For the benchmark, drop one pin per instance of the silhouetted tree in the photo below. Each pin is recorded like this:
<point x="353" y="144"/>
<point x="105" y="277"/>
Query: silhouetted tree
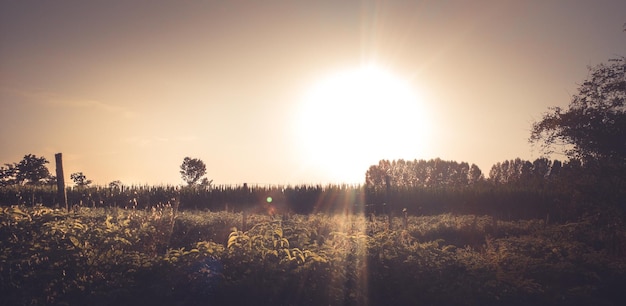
<point x="80" y="179"/>
<point x="474" y="175"/>
<point x="555" y="169"/>
<point x="375" y="175"/>
<point x="206" y="183"/>
<point x="593" y="129"/>
<point x="117" y="184"/>
<point x="594" y="125"/>
<point x="192" y="170"/>
<point x="30" y="170"/>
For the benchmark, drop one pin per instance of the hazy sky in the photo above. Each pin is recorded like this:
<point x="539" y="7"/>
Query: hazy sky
<point x="127" y="89"/>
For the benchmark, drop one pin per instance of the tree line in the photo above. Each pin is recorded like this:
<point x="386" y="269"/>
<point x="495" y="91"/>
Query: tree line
<point x="515" y="189"/>
<point x="432" y="173"/>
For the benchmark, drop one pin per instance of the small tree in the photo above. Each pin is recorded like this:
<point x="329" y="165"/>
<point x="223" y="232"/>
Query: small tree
<point x="80" y="179"/>
<point x="206" y="183"/>
<point x="117" y="184"/>
<point x="192" y="170"/>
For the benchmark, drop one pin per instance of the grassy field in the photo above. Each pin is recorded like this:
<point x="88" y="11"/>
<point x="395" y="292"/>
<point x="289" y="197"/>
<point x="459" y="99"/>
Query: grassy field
<point x="158" y="256"/>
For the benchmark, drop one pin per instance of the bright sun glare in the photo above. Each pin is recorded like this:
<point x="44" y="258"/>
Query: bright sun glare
<point x="352" y="119"/>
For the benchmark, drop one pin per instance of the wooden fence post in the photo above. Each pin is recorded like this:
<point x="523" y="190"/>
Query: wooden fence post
<point x="388" y="199"/>
<point x="244" y="210"/>
<point x="405" y="219"/>
<point x="61" y="192"/>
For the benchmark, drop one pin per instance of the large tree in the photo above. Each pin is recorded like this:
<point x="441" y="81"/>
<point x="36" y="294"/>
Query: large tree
<point x="192" y="170"/>
<point x="593" y="127"/>
<point x="593" y="131"/>
<point x="30" y="170"/>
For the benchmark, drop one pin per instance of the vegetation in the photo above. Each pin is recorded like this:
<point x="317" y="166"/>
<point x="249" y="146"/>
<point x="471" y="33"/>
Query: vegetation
<point x="594" y="125"/>
<point x="592" y="131"/>
<point x="192" y="170"/>
<point x="157" y="256"/>
<point x="80" y="179"/>
<point x="505" y="201"/>
<point x="31" y="170"/>
<point x="430" y="232"/>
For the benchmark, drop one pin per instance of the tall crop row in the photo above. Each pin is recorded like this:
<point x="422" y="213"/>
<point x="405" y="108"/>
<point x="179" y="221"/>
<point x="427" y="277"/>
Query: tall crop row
<point x="505" y="202"/>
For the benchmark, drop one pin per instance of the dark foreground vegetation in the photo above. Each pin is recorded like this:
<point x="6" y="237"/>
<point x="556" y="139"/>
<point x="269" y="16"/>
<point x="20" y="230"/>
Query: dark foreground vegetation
<point x="161" y="256"/>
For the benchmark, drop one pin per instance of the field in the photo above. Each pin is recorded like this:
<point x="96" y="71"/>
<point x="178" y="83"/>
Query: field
<point x="162" y="256"/>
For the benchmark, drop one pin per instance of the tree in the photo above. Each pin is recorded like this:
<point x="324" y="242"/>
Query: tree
<point x="117" y="184"/>
<point x="422" y="173"/>
<point x="7" y="175"/>
<point x="594" y="125"/>
<point x="474" y="175"/>
<point x="206" y="183"/>
<point x="80" y="179"/>
<point x="593" y="128"/>
<point x="30" y="170"/>
<point x="376" y="174"/>
<point x="192" y="170"/>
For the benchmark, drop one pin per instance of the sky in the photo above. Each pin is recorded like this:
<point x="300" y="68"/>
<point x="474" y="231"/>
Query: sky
<point x="288" y="92"/>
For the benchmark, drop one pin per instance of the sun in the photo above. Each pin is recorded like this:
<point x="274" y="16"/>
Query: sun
<point x="351" y="119"/>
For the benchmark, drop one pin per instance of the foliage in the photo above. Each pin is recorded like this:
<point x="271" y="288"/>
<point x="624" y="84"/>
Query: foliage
<point x="593" y="131"/>
<point x="109" y="256"/>
<point x="192" y="170"/>
<point x="30" y="170"/>
<point x="515" y="189"/>
<point x="80" y="179"/>
<point x="433" y="173"/>
<point x="508" y="200"/>
<point x="117" y="184"/>
<point x="595" y="122"/>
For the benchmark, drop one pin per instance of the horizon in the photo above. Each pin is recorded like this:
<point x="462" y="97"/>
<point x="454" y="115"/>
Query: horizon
<point x="288" y="93"/>
<point x="51" y="166"/>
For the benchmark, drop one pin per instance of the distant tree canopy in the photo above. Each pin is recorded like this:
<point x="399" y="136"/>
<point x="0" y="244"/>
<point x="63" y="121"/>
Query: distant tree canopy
<point x="192" y="170"/>
<point x="519" y="172"/>
<point x="437" y="173"/>
<point x="594" y="125"/>
<point x="423" y="173"/>
<point x="31" y="170"/>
